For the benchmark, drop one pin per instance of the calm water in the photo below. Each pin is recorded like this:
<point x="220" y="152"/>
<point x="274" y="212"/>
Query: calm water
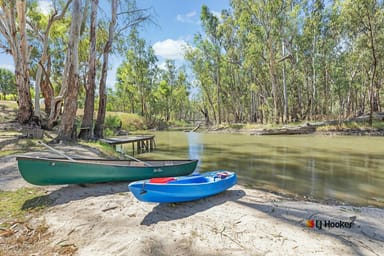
<point x="348" y="169"/>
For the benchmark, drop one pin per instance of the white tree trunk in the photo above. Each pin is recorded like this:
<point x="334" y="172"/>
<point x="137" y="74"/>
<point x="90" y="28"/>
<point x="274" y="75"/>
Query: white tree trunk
<point x="67" y="130"/>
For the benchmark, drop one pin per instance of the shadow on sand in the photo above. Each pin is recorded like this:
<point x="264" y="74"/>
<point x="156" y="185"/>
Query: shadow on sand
<point x="169" y="212"/>
<point x="70" y="193"/>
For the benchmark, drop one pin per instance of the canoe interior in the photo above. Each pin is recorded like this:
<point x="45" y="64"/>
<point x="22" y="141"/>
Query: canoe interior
<point x="113" y="162"/>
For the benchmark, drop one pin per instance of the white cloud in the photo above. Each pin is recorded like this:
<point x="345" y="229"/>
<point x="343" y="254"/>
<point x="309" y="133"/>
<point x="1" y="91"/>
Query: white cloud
<point x="187" y="18"/>
<point x="10" y="67"/>
<point x="170" y="49"/>
<point x="162" y="66"/>
<point x="45" y="6"/>
<point x="217" y="15"/>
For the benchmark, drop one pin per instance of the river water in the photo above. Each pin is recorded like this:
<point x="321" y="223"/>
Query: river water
<point x="347" y="169"/>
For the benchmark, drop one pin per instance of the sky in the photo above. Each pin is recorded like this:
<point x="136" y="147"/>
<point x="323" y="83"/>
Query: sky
<point x="176" y="23"/>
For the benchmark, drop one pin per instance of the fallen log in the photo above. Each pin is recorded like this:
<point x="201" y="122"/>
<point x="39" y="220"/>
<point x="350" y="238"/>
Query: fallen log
<point x="288" y="130"/>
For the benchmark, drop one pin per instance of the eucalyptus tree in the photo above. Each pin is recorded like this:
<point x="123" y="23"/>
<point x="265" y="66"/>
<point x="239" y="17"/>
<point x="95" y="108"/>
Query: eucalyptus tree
<point x="137" y="73"/>
<point x="180" y="96"/>
<point x="173" y="88"/>
<point x="14" y="40"/>
<point x="67" y="129"/>
<point x="87" y="122"/>
<point x="126" y="91"/>
<point x="167" y="87"/>
<point x="125" y="15"/>
<point x="235" y="87"/>
<point x="203" y="68"/>
<point x="259" y="24"/>
<point x="161" y="105"/>
<point x="210" y="24"/>
<point x="101" y="112"/>
<point x="42" y="26"/>
<point x="366" y="20"/>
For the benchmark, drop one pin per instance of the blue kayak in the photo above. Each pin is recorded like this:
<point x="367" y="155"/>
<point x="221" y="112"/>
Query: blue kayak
<point x="183" y="188"/>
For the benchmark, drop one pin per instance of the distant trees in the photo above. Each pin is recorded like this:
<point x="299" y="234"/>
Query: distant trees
<point x="279" y="61"/>
<point x="7" y="82"/>
<point x="258" y="61"/>
<point x="157" y="94"/>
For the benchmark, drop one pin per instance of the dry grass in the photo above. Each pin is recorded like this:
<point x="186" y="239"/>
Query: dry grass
<point x="8" y="111"/>
<point x="22" y="232"/>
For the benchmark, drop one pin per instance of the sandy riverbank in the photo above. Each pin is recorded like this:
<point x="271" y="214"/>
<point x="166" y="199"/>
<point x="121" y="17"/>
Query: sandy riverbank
<point x="105" y="219"/>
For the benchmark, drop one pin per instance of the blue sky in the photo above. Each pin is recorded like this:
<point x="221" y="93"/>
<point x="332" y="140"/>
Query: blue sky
<point x="176" y="23"/>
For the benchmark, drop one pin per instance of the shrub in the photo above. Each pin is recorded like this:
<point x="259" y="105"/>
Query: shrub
<point x="125" y="121"/>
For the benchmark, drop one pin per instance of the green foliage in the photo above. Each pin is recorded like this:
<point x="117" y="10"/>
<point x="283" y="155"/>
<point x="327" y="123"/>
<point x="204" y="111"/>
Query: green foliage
<point x="124" y="121"/>
<point x="7" y="82"/>
<point x="135" y="76"/>
<point x="112" y="122"/>
<point x="328" y="54"/>
<point x="132" y="122"/>
<point x="144" y="89"/>
<point x="104" y="148"/>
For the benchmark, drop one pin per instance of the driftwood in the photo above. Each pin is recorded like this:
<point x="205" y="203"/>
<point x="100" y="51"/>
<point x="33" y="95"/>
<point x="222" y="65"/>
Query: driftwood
<point x="196" y="128"/>
<point x="287" y="130"/>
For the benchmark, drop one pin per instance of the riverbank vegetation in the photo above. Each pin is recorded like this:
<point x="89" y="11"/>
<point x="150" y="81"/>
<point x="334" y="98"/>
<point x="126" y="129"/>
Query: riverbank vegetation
<point x="269" y="63"/>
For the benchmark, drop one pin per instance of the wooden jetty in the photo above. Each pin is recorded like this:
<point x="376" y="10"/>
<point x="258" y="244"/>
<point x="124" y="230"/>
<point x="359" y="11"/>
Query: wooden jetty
<point x="144" y="143"/>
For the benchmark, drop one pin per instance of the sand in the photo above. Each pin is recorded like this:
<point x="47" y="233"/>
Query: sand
<point x="106" y="219"/>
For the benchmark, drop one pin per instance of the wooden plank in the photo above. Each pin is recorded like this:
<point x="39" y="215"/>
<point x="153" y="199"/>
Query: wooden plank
<point x="114" y="141"/>
<point x="144" y="143"/>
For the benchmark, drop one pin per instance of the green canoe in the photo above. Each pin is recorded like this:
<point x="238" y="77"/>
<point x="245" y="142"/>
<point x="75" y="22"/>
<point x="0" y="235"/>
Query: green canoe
<point x="57" y="171"/>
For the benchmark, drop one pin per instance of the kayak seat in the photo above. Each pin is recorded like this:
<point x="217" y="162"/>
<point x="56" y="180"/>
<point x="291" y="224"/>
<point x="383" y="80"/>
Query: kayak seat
<point x="190" y="180"/>
<point x="161" y="180"/>
<point x="221" y="175"/>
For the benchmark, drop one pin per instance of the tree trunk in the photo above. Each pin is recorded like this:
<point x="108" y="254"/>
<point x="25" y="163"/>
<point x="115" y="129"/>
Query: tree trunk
<point x="86" y="131"/>
<point x="67" y="131"/>
<point x="99" y="125"/>
<point x="44" y="84"/>
<point x="22" y="69"/>
<point x="272" y="74"/>
<point x="218" y="88"/>
<point x="374" y="67"/>
<point x="13" y="30"/>
<point x="313" y="95"/>
<point x="285" y="115"/>
<point x="47" y="89"/>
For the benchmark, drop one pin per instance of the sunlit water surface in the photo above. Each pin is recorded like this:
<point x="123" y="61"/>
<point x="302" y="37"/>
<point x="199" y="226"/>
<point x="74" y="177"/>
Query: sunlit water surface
<point x="332" y="168"/>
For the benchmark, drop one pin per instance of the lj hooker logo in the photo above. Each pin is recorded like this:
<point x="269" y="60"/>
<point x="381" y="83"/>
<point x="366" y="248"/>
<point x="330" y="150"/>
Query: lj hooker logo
<point x="319" y="224"/>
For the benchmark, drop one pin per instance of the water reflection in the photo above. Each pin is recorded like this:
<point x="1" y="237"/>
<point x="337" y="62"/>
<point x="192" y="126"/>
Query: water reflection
<point x="195" y="147"/>
<point x="345" y="169"/>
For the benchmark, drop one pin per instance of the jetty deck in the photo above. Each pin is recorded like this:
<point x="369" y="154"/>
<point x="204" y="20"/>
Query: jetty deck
<point x="144" y="143"/>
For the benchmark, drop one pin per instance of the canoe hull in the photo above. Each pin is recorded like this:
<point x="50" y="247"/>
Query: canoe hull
<point x="50" y="171"/>
<point x="187" y="188"/>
